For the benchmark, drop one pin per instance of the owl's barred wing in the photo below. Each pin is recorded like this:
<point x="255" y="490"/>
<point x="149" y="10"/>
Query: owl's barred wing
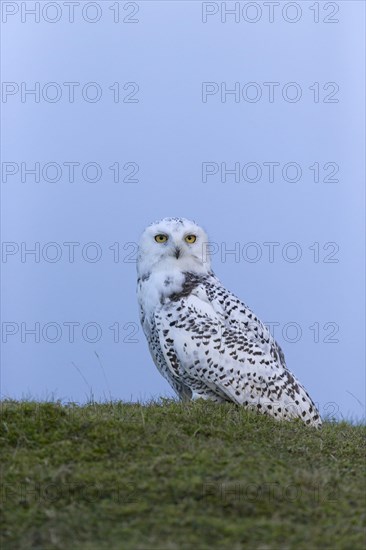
<point x="238" y="314"/>
<point x="200" y="347"/>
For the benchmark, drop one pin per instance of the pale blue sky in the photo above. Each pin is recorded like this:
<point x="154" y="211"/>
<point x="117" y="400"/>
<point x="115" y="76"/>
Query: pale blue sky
<point x="160" y="137"/>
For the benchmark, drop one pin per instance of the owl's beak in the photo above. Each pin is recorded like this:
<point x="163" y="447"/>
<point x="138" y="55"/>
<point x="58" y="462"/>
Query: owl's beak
<point x="177" y="252"/>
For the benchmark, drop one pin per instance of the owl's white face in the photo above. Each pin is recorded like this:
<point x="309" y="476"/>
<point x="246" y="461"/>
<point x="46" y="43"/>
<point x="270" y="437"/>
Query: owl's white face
<point x="173" y="244"/>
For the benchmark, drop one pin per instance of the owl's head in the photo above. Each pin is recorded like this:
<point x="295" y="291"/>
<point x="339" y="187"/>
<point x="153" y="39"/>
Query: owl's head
<point x="173" y="244"/>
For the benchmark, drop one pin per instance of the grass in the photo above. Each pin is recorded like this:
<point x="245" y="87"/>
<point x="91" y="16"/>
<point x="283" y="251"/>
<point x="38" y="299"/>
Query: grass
<point x="176" y="476"/>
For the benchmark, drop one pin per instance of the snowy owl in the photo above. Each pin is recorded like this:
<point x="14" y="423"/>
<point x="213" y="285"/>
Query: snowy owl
<point x="203" y="339"/>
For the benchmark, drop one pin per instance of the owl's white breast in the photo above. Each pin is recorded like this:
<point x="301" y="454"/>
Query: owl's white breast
<point x="165" y="278"/>
<point x="153" y="288"/>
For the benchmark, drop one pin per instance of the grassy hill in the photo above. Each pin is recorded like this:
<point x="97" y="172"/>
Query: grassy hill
<point x="174" y="476"/>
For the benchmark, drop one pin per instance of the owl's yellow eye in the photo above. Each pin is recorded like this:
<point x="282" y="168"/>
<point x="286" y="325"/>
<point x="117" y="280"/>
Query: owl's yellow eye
<point x="190" y="239"/>
<point x="160" y="238"/>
